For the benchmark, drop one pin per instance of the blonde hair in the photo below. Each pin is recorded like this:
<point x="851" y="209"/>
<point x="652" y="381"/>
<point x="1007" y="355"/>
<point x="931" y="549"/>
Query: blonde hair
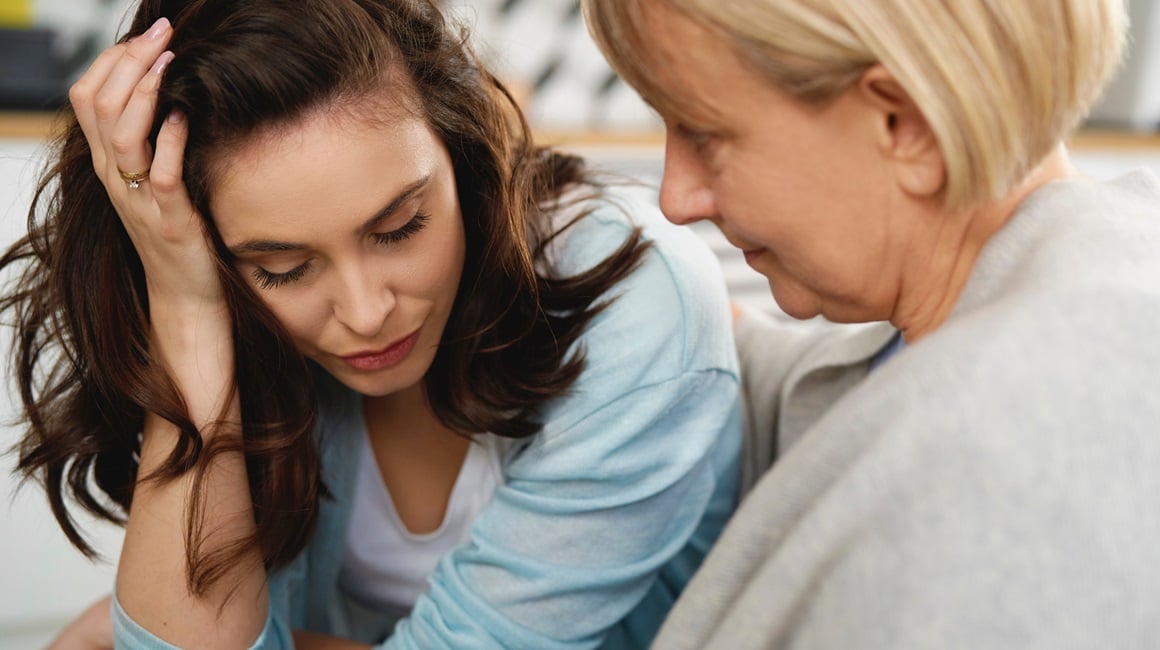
<point x="1001" y="82"/>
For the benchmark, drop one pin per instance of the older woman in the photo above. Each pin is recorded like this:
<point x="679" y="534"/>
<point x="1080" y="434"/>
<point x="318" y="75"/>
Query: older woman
<point x="993" y="484"/>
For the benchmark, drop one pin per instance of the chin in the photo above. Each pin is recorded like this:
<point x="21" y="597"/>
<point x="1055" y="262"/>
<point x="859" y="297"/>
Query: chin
<point x="379" y="387"/>
<point x="798" y="314"/>
<point x="796" y="304"/>
<point x="378" y="383"/>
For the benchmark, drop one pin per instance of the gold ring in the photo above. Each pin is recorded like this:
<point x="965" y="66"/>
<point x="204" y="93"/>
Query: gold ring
<point x="133" y="178"/>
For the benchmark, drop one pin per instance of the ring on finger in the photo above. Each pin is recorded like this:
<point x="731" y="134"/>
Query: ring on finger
<point x="134" y="178"/>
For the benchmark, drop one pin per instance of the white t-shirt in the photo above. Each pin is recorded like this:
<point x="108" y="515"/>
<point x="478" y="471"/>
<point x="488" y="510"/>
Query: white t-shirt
<point x="385" y="567"/>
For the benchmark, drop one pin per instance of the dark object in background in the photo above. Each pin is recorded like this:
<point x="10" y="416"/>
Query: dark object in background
<point x="33" y="76"/>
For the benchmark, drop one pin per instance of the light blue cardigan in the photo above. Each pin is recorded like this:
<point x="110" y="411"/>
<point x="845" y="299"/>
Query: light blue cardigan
<point x="603" y="516"/>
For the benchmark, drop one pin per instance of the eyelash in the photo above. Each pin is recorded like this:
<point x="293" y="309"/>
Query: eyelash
<point x="409" y="229"/>
<point x="268" y="280"/>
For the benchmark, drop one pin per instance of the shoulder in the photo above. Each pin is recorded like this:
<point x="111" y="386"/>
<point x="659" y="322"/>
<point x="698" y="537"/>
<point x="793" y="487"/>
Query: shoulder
<point x="1003" y="471"/>
<point x="1058" y="318"/>
<point x="672" y="313"/>
<point x="1073" y="236"/>
<point x="680" y="261"/>
<point x="1033" y="371"/>
<point x="1032" y="417"/>
<point x="666" y="334"/>
<point x="1071" y="284"/>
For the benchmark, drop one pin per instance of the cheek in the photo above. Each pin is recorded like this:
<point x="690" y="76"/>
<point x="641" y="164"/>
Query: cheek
<point x="753" y="209"/>
<point x="442" y="264"/>
<point x="303" y="317"/>
<point x="425" y="275"/>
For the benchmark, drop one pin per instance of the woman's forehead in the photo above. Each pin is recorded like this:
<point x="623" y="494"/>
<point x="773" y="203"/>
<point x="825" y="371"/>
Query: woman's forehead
<point x="380" y="113"/>
<point x="322" y="161"/>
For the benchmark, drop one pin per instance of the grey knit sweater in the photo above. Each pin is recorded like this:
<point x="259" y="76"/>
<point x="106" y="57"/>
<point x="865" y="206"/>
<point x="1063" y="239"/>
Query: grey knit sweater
<point x="996" y="485"/>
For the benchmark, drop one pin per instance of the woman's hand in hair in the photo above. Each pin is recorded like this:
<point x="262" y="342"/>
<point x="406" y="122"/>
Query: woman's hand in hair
<point x="208" y="510"/>
<point x="115" y="102"/>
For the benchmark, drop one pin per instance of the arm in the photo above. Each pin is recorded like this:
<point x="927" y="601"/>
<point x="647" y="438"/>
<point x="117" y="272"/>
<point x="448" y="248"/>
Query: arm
<point x="191" y="335"/>
<point x="636" y="466"/>
<point x="590" y="514"/>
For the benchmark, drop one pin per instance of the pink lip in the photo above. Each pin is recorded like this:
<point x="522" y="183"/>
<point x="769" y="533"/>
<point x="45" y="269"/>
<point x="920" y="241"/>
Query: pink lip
<point x="751" y="255"/>
<point x="389" y="356"/>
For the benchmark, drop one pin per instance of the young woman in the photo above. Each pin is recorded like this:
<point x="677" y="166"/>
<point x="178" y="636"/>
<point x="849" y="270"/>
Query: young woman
<point x="989" y="479"/>
<point x="357" y="360"/>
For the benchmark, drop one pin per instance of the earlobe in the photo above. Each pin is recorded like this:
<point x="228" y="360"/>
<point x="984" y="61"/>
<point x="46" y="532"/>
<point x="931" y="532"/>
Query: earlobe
<point x="907" y="143"/>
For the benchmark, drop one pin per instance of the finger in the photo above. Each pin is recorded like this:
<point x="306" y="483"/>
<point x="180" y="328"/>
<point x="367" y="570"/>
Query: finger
<point x="166" y="175"/>
<point x="130" y="136"/>
<point x="137" y="58"/>
<point x="83" y="93"/>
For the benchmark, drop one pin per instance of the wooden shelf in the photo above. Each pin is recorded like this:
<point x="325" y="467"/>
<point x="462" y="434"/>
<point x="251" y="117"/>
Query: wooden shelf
<point x="27" y="125"/>
<point x="1108" y="139"/>
<point x="1084" y="140"/>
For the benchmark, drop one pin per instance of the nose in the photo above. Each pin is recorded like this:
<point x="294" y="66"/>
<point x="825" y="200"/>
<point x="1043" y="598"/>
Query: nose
<point x="362" y="300"/>
<point x="686" y="196"/>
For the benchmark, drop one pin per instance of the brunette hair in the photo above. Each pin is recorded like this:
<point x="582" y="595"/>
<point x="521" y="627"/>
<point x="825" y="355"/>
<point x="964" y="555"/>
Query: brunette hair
<point x="82" y="359"/>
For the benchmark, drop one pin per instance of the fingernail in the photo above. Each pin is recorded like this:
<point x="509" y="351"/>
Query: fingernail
<point x="158" y="28"/>
<point x="174" y="116"/>
<point x="162" y="62"/>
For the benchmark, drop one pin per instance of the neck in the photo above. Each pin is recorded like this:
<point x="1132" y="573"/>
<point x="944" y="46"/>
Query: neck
<point x="932" y="288"/>
<point x="407" y="412"/>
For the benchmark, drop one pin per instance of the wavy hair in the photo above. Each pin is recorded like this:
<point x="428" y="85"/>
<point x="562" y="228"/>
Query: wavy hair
<point x="82" y="359"/>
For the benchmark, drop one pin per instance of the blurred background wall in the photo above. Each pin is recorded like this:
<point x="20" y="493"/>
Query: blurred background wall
<point x="542" y="49"/>
<point x="539" y="46"/>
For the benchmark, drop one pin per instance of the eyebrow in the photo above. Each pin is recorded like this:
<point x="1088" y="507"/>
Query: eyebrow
<point x="270" y="246"/>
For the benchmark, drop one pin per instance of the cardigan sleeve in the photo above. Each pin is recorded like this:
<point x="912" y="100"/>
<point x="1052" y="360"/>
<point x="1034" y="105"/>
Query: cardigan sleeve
<point x="574" y="539"/>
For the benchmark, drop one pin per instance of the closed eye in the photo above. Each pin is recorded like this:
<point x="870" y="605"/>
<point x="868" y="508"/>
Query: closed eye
<point x="409" y="229"/>
<point x="268" y="280"/>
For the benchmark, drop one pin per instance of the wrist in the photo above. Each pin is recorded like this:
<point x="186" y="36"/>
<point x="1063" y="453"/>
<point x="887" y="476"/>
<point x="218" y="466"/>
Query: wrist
<point x="195" y="345"/>
<point x="180" y="329"/>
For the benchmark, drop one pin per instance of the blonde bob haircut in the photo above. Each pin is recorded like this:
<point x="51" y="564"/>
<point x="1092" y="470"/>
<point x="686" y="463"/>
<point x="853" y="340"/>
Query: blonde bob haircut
<point x="1000" y="82"/>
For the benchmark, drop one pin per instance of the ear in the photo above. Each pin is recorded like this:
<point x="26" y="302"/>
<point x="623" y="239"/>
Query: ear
<point x="906" y="141"/>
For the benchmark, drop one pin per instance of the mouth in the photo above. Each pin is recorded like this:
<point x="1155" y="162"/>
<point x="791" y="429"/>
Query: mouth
<point x="389" y="356"/>
<point x="747" y="249"/>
